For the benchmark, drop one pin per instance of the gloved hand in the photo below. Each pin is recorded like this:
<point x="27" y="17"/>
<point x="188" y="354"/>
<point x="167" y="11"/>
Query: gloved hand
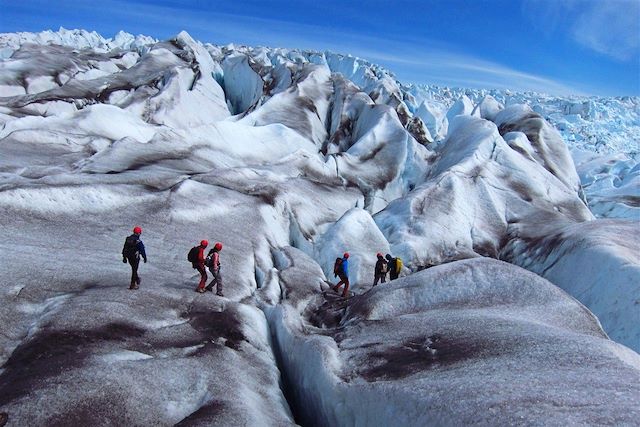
<point x="124" y="260"/>
<point x="145" y="260"/>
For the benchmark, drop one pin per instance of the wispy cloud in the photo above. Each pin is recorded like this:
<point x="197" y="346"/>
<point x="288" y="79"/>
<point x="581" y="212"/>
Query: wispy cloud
<point x="444" y="68"/>
<point x="413" y="60"/>
<point x="611" y="28"/>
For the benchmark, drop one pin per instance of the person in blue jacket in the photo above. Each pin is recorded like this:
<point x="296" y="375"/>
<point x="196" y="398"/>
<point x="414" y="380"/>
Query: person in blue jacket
<point x="132" y="250"/>
<point x="341" y="270"/>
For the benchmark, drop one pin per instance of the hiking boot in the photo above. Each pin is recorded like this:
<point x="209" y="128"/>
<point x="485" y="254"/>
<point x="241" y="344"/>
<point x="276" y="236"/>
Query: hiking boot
<point x="219" y="294"/>
<point x="200" y="290"/>
<point x="133" y="286"/>
<point x="209" y="288"/>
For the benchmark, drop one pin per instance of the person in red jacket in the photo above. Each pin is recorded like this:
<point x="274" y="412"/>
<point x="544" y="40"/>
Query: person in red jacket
<point x="214" y="268"/>
<point x="199" y="265"/>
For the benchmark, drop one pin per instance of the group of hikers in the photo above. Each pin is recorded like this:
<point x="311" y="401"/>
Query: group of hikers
<point x="133" y="250"/>
<point x="212" y="261"/>
<point x="384" y="264"/>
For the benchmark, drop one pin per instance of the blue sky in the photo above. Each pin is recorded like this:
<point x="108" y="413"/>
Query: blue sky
<point x="552" y="46"/>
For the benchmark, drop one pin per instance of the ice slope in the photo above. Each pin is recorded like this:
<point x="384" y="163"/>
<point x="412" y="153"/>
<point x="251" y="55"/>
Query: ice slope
<point x="508" y="190"/>
<point x="593" y="128"/>
<point x="612" y="183"/>
<point x="77" y="347"/>
<point x="477" y="186"/>
<point x="469" y="342"/>
<point x="607" y="253"/>
<point x="289" y="158"/>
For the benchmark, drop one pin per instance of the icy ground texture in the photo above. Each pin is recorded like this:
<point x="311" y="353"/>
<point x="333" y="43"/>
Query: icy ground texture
<point x="291" y="158"/>
<point x="469" y="342"/>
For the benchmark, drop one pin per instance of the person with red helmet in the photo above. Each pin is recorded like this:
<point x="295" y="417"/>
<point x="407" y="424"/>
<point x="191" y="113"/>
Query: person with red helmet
<point x="198" y="264"/>
<point x="380" y="272"/>
<point x="213" y="258"/>
<point x="131" y="251"/>
<point x="341" y="269"/>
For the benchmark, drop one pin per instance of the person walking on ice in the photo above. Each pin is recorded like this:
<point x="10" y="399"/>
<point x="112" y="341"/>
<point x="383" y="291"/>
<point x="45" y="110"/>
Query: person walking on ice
<point x="394" y="265"/>
<point x="213" y="261"/>
<point x="341" y="270"/>
<point x="197" y="258"/>
<point x="131" y="251"/>
<point x="380" y="272"/>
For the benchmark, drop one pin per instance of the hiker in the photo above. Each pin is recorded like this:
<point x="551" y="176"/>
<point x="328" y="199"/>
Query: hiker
<point x="394" y="265"/>
<point x="131" y="251"/>
<point x="380" y="272"/>
<point x="213" y="261"/>
<point x="341" y="270"/>
<point x="196" y="256"/>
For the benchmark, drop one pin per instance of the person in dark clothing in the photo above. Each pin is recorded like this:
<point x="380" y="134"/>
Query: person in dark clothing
<point x="392" y="267"/>
<point x="380" y="272"/>
<point x="342" y="271"/>
<point x="132" y="250"/>
<point x="199" y="265"/>
<point x="214" y="268"/>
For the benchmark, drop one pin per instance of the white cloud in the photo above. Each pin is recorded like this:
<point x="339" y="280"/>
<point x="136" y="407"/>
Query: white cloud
<point x="611" y="28"/>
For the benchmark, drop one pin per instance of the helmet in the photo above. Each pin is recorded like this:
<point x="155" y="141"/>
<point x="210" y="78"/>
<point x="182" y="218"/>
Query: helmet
<point x="217" y="246"/>
<point x="346" y="255"/>
<point x="204" y="243"/>
<point x="137" y="230"/>
<point x="379" y="255"/>
<point x="388" y="256"/>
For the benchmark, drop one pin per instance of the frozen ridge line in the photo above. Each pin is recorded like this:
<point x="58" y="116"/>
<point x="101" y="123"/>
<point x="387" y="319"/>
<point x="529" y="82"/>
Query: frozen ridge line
<point x="78" y="39"/>
<point x="604" y="125"/>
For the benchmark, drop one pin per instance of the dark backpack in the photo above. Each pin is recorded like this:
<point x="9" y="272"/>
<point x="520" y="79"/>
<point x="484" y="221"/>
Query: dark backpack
<point x="192" y="256"/>
<point x="131" y="246"/>
<point x="337" y="267"/>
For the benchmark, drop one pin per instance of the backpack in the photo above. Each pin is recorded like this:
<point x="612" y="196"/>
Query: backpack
<point x="192" y="256"/>
<point x="337" y="267"/>
<point x="208" y="261"/>
<point x="131" y="246"/>
<point x="398" y="265"/>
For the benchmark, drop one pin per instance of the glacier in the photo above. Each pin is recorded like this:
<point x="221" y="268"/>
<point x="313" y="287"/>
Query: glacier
<point x="516" y="216"/>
